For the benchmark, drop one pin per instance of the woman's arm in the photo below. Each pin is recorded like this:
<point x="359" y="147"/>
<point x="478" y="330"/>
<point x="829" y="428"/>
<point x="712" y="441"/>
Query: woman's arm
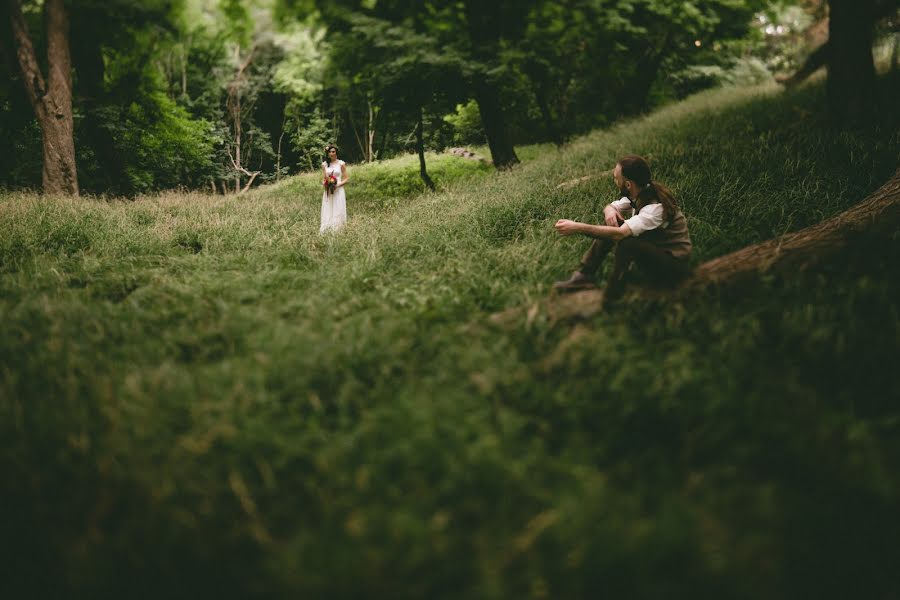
<point x="344" y="176"/>
<point x="324" y="170"/>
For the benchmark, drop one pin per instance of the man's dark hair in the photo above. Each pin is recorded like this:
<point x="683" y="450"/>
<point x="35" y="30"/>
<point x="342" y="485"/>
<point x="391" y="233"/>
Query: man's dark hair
<point x="637" y="169"/>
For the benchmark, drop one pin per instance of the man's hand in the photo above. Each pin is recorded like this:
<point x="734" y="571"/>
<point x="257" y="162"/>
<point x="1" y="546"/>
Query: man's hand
<point x="567" y="227"/>
<point x="612" y="216"/>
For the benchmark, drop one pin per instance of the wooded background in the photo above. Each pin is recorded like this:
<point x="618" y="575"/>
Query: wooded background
<point x="125" y="97"/>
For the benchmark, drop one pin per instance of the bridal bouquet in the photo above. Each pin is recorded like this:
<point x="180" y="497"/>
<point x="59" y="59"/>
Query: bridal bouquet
<point x="329" y="183"/>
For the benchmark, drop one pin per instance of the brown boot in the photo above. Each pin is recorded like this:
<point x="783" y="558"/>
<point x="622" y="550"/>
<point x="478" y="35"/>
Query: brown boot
<point x="578" y="281"/>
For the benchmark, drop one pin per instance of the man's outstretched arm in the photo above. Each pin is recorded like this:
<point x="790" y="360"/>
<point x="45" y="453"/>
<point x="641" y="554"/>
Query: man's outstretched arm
<point x="567" y="227"/>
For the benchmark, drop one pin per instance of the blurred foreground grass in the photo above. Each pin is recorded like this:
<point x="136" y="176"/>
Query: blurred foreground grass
<point x="202" y="397"/>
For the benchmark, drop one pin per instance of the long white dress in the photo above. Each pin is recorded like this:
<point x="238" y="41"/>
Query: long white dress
<point x="334" y="205"/>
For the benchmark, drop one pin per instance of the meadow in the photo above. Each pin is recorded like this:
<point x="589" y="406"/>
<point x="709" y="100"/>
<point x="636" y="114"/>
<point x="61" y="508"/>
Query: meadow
<point x="200" y="396"/>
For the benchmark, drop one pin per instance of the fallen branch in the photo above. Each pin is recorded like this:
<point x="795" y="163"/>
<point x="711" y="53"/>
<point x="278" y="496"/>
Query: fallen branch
<point x="566" y="185"/>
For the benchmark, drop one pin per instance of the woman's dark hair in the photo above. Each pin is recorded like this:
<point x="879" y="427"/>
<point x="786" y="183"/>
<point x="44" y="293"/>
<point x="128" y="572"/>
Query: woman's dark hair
<point x="328" y="149"/>
<point x="637" y="169"/>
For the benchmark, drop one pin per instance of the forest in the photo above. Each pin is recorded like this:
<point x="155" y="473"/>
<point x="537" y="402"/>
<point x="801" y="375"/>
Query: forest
<point x="224" y="95"/>
<point x="206" y="394"/>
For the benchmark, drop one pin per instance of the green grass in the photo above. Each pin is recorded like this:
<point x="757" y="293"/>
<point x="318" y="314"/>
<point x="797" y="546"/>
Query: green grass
<point x="201" y="396"/>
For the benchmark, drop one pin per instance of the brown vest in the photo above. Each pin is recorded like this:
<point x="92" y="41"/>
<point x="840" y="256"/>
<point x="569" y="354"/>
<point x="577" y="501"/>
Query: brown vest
<point x="673" y="238"/>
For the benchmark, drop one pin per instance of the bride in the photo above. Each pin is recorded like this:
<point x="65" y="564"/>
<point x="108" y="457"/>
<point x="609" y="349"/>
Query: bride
<point x="334" y="203"/>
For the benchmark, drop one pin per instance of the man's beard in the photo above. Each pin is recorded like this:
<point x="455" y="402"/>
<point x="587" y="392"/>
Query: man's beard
<point x="624" y="192"/>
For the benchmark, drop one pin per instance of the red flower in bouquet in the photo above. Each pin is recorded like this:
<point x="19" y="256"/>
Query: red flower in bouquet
<point x="329" y="183"/>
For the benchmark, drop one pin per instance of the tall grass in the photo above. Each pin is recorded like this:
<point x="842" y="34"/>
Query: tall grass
<point x="202" y="396"/>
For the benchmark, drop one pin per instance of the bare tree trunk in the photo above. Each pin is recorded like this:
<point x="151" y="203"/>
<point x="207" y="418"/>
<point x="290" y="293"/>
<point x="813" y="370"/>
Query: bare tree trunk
<point x="278" y="155"/>
<point x="184" y="59"/>
<point x="236" y="107"/>
<point x="359" y="142"/>
<point x="420" y="148"/>
<point x="370" y="131"/>
<point x="52" y="101"/>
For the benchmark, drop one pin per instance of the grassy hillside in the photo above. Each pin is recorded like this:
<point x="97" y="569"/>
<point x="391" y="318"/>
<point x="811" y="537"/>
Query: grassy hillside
<point x="201" y="396"/>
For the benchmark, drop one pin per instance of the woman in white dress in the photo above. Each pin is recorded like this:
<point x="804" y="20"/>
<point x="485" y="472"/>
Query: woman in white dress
<point x="334" y="204"/>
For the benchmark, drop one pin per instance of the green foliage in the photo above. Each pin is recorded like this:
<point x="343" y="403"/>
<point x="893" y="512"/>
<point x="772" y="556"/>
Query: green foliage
<point x="358" y="73"/>
<point x="202" y="396"/>
<point x="161" y="145"/>
<point x="391" y="184"/>
<point x="466" y="123"/>
<point x="300" y="73"/>
<point x="311" y="132"/>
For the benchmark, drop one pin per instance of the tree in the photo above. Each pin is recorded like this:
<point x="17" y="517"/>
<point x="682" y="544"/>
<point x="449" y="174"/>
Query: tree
<point x="847" y="55"/>
<point x="486" y="21"/>
<point x="851" y="69"/>
<point x="51" y="99"/>
<point x="114" y="46"/>
<point x="412" y="71"/>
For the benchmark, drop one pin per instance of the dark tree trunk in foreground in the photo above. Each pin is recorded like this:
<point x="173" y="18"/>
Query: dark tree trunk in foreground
<point x="851" y="69"/>
<point x="847" y="235"/>
<point x="51" y="100"/>
<point x="420" y="148"/>
<point x="875" y="10"/>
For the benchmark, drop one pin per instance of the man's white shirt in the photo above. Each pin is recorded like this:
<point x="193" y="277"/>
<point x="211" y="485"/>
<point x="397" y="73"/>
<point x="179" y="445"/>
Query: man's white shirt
<point x="651" y="216"/>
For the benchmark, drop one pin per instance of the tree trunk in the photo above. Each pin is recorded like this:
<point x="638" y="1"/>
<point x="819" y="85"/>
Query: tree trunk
<point x="875" y="10"/>
<point x="184" y="59"/>
<point x="814" y="62"/>
<point x="359" y="141"/>
<point x="851" y="68"/>
<point x="484" y="22"/>
<point x="370" y="131"/>
<point x="494" y="123"/>
<point x="235" y="106"/>
<point x="540" y="96"/>
<point x="52" y="101"/>
<point x="90" y="71"/>
<point x="420" y="148"/>
<point x="895" y="53"/>
<point x="278" y="156"/>
<point x="636" y="96"/>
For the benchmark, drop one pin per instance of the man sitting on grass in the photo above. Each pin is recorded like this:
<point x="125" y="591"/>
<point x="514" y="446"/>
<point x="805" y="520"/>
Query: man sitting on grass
<point x="654" y="235"/>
